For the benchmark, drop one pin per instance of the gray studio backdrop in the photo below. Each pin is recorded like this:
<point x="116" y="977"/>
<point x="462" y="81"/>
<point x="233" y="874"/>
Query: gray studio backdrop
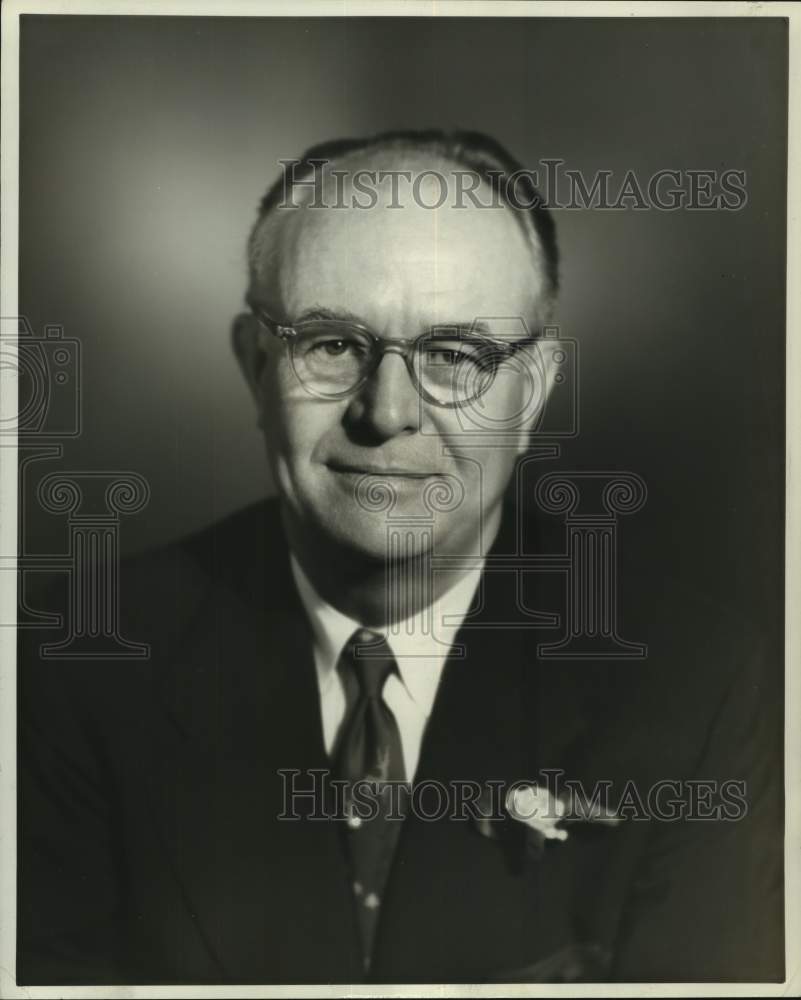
<point x="146" y="144"/>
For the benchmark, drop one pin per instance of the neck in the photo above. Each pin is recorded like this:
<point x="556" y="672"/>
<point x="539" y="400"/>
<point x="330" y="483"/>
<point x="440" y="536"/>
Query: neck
<point x="374" y="591"/>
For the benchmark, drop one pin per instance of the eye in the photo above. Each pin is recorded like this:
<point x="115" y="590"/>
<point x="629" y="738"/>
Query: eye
<point x="453" y="354"/>
<point x="333" y="348"/>
<point x="435" y="355"/>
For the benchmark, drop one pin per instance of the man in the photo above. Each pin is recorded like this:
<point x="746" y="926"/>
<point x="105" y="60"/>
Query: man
<point x="369" y="627"/>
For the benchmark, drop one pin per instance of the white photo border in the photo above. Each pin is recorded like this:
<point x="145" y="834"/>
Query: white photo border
<point x="11" y="13"/>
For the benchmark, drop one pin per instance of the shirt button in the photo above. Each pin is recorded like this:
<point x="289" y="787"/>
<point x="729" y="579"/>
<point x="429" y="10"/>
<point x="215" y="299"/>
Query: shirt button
<point x="371" y="901"/>
<point x="354" y="822"/>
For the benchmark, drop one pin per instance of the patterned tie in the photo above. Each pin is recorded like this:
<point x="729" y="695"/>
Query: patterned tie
<point x="370" y="750"/>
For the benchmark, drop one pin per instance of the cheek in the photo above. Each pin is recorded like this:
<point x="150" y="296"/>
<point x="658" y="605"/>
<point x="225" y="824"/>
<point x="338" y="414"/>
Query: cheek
<point x="516" y="397"/>
<point x="487" y="444"/>
<point x="500" y="468"/>
<point x="295" y="423"/>
<point x="495" y="426"/>
<point x="482" y="473"/>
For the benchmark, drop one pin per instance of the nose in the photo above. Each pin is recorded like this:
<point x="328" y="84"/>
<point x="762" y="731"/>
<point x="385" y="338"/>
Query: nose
<point x="388" y="404"/>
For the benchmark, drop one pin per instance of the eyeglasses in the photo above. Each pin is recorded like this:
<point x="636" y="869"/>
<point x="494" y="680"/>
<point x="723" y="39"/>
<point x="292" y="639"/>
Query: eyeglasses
<point x="334" y="358"/>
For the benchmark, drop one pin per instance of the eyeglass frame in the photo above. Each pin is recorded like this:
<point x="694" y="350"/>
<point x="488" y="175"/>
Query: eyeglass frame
<point x="404" y="347"/>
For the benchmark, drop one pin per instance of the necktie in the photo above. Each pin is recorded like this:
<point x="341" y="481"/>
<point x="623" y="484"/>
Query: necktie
<point x="370" y="750"/>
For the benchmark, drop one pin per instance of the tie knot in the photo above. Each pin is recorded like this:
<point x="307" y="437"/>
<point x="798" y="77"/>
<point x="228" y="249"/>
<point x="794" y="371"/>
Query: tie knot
<point x="368" y="655"/>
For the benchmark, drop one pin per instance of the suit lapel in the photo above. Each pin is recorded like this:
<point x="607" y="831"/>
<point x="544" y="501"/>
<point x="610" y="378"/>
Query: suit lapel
<point x="477" y="721"/>
<point x="242" y="705"/>
<point x="499" y="716"/>
<point x="445" y="873"/>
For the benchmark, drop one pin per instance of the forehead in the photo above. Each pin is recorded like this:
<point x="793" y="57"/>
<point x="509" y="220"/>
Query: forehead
<point x="424" y="249"/>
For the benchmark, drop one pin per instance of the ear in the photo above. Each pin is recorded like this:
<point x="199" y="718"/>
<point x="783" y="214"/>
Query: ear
<point x="251" y="357"/>
<point x="544" y="370"/>
<point x="245" y="343"/>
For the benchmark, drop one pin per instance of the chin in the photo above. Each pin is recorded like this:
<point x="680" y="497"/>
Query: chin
<point x="373" y="536"/>
<point x="382" y="521"/>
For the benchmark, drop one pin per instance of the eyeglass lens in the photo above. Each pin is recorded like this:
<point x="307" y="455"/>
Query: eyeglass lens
<point x="331" y="358"/>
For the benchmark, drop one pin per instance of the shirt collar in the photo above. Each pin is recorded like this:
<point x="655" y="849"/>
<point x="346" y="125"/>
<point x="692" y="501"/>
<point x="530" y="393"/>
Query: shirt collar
<point x="420" y="643"/>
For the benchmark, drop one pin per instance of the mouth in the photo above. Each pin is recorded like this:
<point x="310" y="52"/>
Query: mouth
<point x="388" y="472"/>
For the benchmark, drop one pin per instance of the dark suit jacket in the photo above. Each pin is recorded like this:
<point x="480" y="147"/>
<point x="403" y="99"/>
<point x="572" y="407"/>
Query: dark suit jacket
<point x="151" y="852"/>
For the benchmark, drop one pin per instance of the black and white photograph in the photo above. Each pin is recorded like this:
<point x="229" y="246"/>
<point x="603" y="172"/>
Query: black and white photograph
<point x="395" y="536"/>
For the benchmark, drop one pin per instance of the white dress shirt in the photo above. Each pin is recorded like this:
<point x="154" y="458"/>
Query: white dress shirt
<point x="420" y="645"/>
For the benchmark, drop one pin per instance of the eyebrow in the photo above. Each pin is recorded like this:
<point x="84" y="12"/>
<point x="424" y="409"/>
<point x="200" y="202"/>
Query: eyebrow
<point x="346" y="316"/>
<point x="321" y="312"/>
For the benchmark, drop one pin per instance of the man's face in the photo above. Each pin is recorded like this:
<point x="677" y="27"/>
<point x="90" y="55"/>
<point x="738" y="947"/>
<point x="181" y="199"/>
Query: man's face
<point x="348" y="469"/>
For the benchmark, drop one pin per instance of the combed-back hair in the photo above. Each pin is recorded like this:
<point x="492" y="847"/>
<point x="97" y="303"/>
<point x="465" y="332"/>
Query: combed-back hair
<point x="473" y="151"/>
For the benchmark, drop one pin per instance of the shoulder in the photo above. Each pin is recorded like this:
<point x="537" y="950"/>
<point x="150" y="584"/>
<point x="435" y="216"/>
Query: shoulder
<point x="703" y="684"/>
<point x="241" y="558"/>
<point x="244" y="549"/>
<point x="157" y="601"/>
